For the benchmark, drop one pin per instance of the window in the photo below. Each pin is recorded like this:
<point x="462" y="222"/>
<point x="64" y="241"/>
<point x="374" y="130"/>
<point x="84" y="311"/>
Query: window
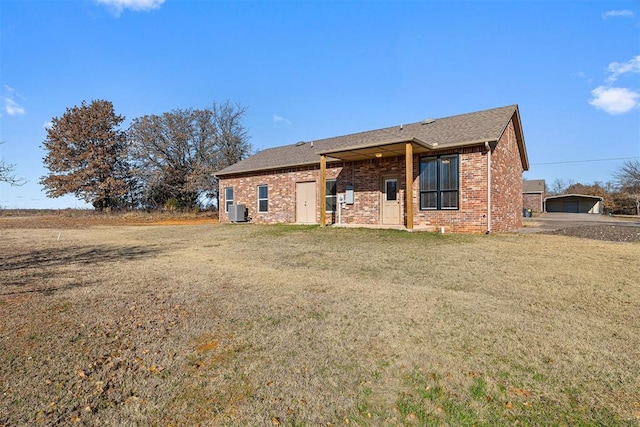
<point x="228" y="198"/>
<point x="263" y="198"/>
<point x="331" y="199"/>
<point x="391" y="190"/>
<point x="439" y="182"/>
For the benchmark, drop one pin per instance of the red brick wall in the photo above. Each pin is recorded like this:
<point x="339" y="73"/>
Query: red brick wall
<point x="282" y="192"/>
<point x="533" y="201"/>
<point x="366" y="177"/>
<point x="471" y="217"/>
<point x="506" y="183"/>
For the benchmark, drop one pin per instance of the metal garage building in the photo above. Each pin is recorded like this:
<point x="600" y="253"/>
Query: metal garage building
<point x="574" y="203"/>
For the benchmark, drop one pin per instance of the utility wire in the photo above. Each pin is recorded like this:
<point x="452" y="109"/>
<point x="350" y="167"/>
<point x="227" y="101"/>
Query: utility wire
<point x="584" y="161"/>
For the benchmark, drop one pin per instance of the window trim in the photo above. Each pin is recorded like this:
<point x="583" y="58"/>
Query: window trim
<point x="439" y="191"/>
<point x="331" y="196"/>
<point x="226" y="200"/>
<point x="265" y="199"/>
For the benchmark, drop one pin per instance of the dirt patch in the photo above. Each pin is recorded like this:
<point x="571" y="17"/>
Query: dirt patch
<point x="595" y="227"/>
<point x="611" y="233"/>
<point x="195" y="221"/>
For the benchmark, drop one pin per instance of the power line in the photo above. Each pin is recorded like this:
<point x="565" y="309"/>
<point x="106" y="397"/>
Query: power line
<point x="584" y="161"/>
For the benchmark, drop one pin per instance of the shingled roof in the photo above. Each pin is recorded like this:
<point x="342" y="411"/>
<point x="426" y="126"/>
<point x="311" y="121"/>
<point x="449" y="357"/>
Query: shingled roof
<point x="429" y="135"/>
<point x="533" y="186"/>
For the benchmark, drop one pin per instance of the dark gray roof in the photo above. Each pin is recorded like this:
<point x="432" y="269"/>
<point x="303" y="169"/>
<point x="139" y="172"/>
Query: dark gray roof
<point x="533" y="186"/>
<point x="440" y="134"/>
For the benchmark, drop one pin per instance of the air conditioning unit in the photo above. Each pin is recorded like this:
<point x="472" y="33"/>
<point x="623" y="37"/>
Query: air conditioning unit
<point x="237" y="213"/>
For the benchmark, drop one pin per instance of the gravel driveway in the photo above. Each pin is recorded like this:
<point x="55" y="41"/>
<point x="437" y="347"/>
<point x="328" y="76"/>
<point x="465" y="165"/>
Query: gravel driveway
<point x="588" y="226"/>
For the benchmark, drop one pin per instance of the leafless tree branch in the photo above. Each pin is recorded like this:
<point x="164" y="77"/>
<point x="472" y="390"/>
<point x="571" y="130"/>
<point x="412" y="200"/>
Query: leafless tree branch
<point x="7" y="173"/>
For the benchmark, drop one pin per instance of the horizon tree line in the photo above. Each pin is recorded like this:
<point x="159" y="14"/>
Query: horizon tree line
<point x="164" y="161"/>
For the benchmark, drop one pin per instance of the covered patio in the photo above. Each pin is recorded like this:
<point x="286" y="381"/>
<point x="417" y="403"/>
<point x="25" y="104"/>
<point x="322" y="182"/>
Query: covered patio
<point x="393" y="148"/>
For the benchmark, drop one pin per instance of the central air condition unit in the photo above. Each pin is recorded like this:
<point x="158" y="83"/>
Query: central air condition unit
<point x="237" y="213"/>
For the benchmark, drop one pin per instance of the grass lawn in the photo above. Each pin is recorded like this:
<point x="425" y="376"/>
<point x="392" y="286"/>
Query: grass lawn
<point x="293" y="325"/>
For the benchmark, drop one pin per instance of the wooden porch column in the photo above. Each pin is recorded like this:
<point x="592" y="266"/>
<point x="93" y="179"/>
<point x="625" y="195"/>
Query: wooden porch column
<point x="409" y="187"/>
<point x="323" y="190"/>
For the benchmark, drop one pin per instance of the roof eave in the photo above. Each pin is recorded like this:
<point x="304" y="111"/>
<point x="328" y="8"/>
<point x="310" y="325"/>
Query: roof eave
<point x="461" y="144"/>
<point x="517" y="124"/>
<point x="586" y="196"/>
<point x="370" y="145"/>
<point x="431" y="146"/>
<point x="267" y="168"/>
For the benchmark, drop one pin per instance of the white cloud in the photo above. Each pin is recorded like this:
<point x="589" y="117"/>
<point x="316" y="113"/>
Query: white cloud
<point x="618" y="68"/>
<point x="617" y="13"/>
<point x="117" y="6"/>
<point x="617" y="100"/>
<point x="10" y="106"/>
<point x="280" y="119"/>
<point x="47" y="125"/>
<point x="614" y="100"/>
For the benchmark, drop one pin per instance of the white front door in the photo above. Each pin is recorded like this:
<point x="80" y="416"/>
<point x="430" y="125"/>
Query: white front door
<point x="306" y="203"/>
<point x="390" y="201"/>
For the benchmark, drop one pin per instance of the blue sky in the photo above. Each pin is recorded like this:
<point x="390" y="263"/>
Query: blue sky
<point x="313" y="69"/>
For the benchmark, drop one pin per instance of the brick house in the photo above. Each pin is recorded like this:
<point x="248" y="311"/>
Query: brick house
<point x="533" y="194"/>
<point x="461" y="173"/>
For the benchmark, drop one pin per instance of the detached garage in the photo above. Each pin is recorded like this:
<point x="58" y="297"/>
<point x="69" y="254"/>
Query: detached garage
<point x="574" y="203"/>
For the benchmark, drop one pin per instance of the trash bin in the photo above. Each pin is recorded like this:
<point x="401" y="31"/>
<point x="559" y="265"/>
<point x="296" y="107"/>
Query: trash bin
<point x="526" y="213"/>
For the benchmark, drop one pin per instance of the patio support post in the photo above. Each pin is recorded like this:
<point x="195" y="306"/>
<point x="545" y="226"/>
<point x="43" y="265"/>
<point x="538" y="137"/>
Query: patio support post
<point x="323" y="190"/>
<point x="409" y="187"/>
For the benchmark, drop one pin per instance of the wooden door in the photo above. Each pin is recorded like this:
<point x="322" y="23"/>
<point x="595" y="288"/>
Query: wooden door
<point x="306" y="203"/>
<point x="390" y="201"/>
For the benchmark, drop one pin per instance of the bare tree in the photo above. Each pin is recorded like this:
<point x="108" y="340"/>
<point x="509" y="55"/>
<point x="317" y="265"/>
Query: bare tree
<point x="176" y="154"/>
<point x="7" y="173"/>
<point x="232" y="139"/>
<point x="628" y="179"/>
<point x="86" y="155"/>
<point x="559" y="186"/>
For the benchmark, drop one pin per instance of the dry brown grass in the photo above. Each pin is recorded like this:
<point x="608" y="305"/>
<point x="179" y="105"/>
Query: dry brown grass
<point x="285" y="325"/>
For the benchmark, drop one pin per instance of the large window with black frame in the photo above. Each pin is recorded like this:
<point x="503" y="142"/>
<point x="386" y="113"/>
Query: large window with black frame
<point x="439" y="182"/>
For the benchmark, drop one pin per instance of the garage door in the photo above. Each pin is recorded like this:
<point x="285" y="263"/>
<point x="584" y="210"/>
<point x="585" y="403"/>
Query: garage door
<point x="570" y="207"/>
